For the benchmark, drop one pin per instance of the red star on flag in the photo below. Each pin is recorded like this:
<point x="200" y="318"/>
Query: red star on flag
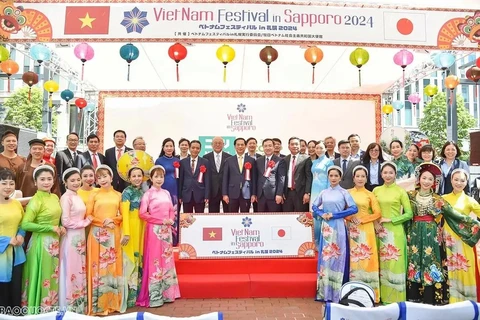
<point x="405" y="26"/>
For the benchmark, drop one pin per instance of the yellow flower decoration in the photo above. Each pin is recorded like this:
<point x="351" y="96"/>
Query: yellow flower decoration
<point x="428" y="251"/>
<point x="414" y="249"/>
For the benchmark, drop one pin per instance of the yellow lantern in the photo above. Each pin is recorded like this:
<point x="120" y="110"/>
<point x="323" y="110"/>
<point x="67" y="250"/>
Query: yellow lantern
<point x="359" y="57"/>
<point x="225" y="54"/>
<point x="387" y="109"/>
<point x="50" y="86"/>
<point x="430" y="90"/>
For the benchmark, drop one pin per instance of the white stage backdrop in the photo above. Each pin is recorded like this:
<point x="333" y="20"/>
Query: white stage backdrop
<point x="156" y="118"/>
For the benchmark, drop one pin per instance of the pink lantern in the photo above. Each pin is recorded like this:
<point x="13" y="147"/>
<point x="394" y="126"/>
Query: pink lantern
<point x="403" y="58"/>
<point x="414" y="98"/>
<point x="84" y="52"/>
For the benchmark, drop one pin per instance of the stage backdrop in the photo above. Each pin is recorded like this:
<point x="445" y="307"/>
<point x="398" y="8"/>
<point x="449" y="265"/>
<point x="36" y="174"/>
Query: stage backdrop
<point x="157" y="115"/>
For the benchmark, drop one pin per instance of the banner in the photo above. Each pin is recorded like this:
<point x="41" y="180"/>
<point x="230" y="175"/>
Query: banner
<point x="245" y="22"/>
<point x="258" y="235"/>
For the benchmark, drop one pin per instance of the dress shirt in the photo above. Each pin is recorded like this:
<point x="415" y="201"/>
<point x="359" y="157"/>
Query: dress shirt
<point x="195" y="163"/>
<point x="96" y="156"/>
<point x="373" y="172"/>
<point x="290" y="167"/>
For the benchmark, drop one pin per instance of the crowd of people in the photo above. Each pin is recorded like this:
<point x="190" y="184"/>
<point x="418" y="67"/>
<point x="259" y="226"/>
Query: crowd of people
<point x="97" y="244"/>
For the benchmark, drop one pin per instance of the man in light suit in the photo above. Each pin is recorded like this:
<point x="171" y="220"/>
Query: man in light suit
<point x="65" y="159"/>
<point x="237" y="188"/>
<point x="113" y="154"/>
<point x="91" y="156"/>
<point x="270" y="185"/>
<point x="192" y="192"/>
<point x="298" y="181"/>
<point x="346" y="163"/>
<point x="217" y="159"/>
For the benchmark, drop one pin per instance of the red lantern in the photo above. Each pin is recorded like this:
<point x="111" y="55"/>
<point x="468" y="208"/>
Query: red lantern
<point x="177" y="53"/>
<point x="268" y="55"/>
<point x="30" y="78"/>
<point x="81" y="103"/>
<point x="9" y="67"/>
<point x="478" y="62"/>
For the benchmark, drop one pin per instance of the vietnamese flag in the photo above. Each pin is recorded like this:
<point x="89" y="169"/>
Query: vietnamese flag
<point x="212" y="234"/>
<point x="87" y="20"/>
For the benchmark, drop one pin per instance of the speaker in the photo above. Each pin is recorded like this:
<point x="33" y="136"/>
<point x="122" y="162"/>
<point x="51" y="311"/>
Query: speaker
<point x="23" y="136"/>
<point x="475" y="148"/>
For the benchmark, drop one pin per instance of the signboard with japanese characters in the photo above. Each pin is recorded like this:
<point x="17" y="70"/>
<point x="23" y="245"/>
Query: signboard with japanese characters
<point x="258" y="235"/>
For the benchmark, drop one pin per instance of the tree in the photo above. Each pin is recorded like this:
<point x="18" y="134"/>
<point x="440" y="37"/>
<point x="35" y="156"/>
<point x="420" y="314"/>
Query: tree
<point x="27" y="113"/>
<point x="434" y="121"/>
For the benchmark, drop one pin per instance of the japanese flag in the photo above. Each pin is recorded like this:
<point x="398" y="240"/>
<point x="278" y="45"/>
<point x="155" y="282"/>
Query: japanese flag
<point x="281" y="233"/>
<point x="405" y="26"/>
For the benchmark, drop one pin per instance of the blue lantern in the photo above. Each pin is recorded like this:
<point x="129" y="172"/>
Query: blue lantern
<point x="444" y="60"/>
<point x="90" y="107"/>
<point x="129" y="53"/>
<point x="66" y="95"/>
<point x="40" y="53"/>
<point x="397" y="105"/>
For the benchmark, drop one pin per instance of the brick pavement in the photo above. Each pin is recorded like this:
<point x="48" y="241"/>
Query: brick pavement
<point x="243" y="309"/>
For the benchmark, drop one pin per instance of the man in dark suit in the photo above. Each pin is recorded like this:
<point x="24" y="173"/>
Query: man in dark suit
<point x="91" y="156"/>
<point x="252" y="148"/>
<point x="194" y="180"/>
<point x="239" y="179"/>
<point x="270" y="179"/>
<point x="217" y="159"/>
<point x="277" y="143"/>
<point x="356" y="152"/>
<point x="113" y="154"/>
<point x="65" y="159"/>
<point x="346" y="163"/>
<point x="298" y="182"/>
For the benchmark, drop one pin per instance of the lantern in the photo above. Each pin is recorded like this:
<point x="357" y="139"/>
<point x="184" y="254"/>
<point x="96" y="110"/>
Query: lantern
<point x="359" y="57"/>
<point x="403" y="58"/>
<point x="473" y="74"/>
<point x="9" y="67"/>
<point x="66" y="95"/>
<point x="444" y="60"/>
<point x="451" y="82"/>
<point x="30" y="78"/>
<point x="40" y="53"/>
<point x="268" y="55"/>
<point x="225" y="54"/>
<point x="313" y="55"/>
<point x="50" y="86"/>
<point x="387" y="109"/>
<point x="414" y="99"/>
<point x="430" y="90"/>
<point x="478" y="62"/>
<point x="177" y="53"/>
<point x="129" y="53"/>
<point x="81" y="103"/>
<point x="90" y="107"/>
<point x="84" y="52"/>
<point x="397" y="105"/>
<point x="4" y="54"/>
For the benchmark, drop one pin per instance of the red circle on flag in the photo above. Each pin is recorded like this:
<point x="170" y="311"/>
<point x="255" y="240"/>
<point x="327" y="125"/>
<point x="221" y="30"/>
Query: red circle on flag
<point x="281" y="233"/>
<point x="405" y="26"/>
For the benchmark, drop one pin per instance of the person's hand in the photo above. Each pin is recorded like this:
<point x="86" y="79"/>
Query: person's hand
<point x="355" y="221"/>
<point x="226" y="199"/>
<point x="179" y="201"/>
<point x="20" y="239"/>
<point x="206" y="201"/>
<point x="57" y="230"/>
<point x="110" y="225"/>
<point x="253" y="199"/>
<point x="327" y="216"/>
<point x="385" y="220"/>
<point x="377" y="226"/>
<point x="124" y="240"/>
<point x="13" y="241"/>
<point x="306" y="198"/>
<point x="278" y="199"/>
<point x="63" y="231"/>
<point x="168" y="222"/>
<point x="107" y="221"/>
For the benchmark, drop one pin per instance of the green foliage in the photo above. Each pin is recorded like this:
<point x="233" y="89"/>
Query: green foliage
<point x="434" y="121"/>
<point x="25" y="113"/>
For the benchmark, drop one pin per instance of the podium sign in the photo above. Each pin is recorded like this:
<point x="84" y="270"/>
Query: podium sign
<point x="258" y="235"/>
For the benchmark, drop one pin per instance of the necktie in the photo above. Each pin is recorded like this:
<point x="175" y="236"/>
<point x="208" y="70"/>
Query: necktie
<point x="293" y="172"/>
<point x="74" y="155"/>
<point x="240" y="163"/>
<point x="218" y="161"/>
<point x="119" y="153"/>
<point x="94" y="160"/>
<point x="266" y="163"/>
<point x="344" y="166"/>
<point x="193" y="166"/>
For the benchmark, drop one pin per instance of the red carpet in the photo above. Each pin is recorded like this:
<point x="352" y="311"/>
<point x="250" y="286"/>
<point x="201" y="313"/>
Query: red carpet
<point x="247" y="278"/>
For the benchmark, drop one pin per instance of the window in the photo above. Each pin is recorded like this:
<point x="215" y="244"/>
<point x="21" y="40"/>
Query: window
<point x="26" y="64"/>
<point x="472" y="57"/>
<point x="408" y="113"/>
<point x="426" y="82"/>
<point x="466" y="96"/>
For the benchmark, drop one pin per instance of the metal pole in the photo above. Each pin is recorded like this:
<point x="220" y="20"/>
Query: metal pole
<point x="46" y="110"/>
<point x="452" y="115"/>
